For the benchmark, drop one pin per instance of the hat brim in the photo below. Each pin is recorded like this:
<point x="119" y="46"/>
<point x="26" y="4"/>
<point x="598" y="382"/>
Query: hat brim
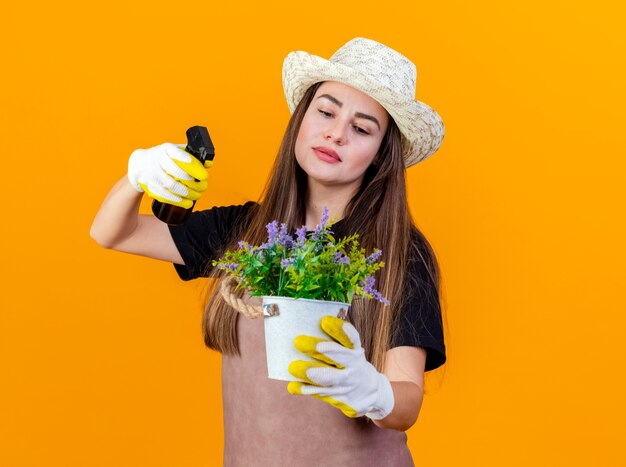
<point x="421" y="127"/>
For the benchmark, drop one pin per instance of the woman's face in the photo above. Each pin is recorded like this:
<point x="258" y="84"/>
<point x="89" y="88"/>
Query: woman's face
<point x="340" y="135"/>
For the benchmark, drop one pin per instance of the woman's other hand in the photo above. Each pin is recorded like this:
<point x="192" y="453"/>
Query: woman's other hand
<point x="341" y="376"/>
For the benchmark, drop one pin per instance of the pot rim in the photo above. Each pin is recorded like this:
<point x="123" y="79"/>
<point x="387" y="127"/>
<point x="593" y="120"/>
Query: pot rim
<point x="312" y="300"/>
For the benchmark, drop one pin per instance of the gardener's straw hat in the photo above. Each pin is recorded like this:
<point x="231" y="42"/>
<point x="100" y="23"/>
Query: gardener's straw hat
<point x="383" y="74"/>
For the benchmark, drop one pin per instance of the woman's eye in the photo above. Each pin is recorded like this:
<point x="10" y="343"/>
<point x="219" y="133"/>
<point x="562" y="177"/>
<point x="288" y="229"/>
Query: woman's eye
<point x="361" y="130"/>
<point x="326" y="114"/>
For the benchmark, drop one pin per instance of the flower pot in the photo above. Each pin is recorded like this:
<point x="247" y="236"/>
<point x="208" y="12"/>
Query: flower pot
<point x="284" y="319"/>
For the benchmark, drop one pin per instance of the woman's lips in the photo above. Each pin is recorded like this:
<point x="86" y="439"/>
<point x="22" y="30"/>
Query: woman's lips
<point x="327" y="155"/>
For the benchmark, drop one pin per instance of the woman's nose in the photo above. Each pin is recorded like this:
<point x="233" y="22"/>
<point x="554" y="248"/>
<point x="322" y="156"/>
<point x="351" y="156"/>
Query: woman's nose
<point x="336" y="132"/>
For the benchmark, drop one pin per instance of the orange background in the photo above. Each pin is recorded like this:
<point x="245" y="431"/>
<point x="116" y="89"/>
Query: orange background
<point x="101" y="356"/>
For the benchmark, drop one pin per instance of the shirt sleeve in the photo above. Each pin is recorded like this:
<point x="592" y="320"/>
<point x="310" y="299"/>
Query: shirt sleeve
<point x="204" y="237"/>
<point x="420" y="322"/>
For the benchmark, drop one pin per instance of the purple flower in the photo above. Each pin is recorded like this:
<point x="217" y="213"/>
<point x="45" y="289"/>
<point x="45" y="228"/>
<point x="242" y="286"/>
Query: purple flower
<point x="321" y="227"/>
<point x="369" y="283"/>
<point x="340" y="258"/>
<point x="283" y="238"/>
<point x="230" y="266"/>
<point x="324" y="217"/>
<point x="301" y="235"/>
<point x="287" y="262"/>
<point x="378" y="296"/>
<point x="244" y="245"/>
<point x="371" y="259"/>
<point x="368" y="287"/>
<point x="272" y="232"/>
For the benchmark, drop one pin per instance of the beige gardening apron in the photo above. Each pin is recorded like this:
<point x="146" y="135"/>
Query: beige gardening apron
<point x="264" y="425"/>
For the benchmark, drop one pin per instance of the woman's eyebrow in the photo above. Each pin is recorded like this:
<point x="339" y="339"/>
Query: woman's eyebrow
<point x="337" y="102"/>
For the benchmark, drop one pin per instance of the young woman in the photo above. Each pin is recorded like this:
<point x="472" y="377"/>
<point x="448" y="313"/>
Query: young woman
<point x="355" y="128"/>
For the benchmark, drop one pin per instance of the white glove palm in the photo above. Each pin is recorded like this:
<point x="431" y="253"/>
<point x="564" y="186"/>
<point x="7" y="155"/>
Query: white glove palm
<point x="168" y="174"/>
<point x="342" y="377"/>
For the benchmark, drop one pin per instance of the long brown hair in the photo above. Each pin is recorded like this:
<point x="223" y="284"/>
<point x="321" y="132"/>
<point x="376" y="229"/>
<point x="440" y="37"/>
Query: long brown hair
<point x="378" y="212"/>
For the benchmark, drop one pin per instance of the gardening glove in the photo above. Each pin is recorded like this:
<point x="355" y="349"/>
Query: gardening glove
<point x="341" y="376"/>
<point x="166" y="173"/>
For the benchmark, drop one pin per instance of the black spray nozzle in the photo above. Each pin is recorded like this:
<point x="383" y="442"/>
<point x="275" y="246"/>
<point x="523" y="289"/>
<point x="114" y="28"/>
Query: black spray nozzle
<point x="199" y="143"/>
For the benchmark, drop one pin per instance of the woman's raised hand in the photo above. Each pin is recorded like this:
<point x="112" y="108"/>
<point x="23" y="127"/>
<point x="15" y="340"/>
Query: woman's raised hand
<point x="168" y="174"/>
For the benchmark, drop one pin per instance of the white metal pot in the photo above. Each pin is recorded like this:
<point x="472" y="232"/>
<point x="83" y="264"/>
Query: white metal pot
<point x="284" y="319"/>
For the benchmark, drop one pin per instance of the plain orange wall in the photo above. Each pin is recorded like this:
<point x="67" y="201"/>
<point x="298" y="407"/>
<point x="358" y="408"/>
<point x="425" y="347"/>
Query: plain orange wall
<point x="101" y="354"/>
